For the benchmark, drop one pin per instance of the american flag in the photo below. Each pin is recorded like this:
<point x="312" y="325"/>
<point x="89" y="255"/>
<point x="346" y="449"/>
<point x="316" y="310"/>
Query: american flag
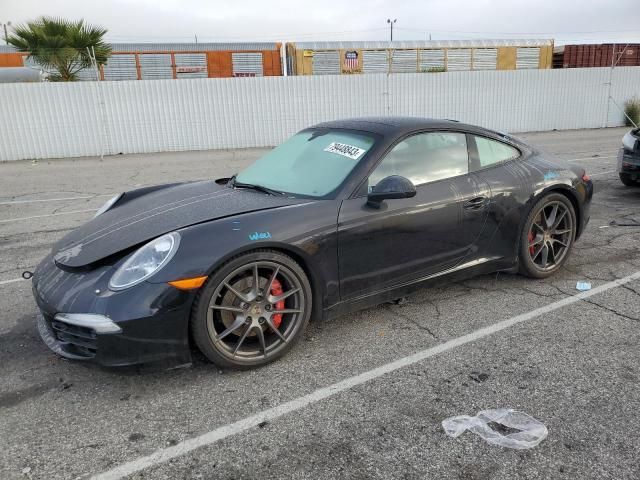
<point x="351" y="60"/>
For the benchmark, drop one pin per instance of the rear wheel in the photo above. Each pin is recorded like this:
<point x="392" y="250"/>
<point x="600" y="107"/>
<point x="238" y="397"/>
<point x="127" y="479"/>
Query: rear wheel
<point x="628" y="180"/>
<point x="547" y="236"/>
<point x="252" y="310"/>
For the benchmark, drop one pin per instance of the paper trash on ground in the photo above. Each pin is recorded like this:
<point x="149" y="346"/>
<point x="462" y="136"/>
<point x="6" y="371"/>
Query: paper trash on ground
<point x="583" y="286"/>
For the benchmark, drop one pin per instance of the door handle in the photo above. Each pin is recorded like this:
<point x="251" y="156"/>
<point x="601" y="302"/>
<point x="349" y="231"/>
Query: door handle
<point x="476" y="203"/>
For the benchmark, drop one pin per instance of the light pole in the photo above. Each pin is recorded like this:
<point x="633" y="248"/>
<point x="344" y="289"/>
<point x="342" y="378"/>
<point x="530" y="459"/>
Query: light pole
<point x="6" y="37"/>
<point x="391" y="22"/>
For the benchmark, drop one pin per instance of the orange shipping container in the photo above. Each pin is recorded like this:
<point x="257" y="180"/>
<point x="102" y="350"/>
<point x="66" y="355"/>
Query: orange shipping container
<point x="151" y="61"/>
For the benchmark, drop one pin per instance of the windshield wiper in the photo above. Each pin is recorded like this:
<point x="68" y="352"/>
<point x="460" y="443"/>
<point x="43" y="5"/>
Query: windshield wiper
<point x="259" y="188"/>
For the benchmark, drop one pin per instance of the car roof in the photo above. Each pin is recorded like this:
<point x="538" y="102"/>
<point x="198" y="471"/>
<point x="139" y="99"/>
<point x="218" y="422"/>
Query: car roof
<point x="393" y="125"/>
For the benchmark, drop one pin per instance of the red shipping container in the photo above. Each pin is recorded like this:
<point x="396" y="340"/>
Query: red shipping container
<point x="583" y="56"/>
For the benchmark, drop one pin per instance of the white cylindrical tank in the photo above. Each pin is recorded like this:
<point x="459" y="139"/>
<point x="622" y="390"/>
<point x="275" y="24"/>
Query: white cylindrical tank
<point x="20" y="74"/>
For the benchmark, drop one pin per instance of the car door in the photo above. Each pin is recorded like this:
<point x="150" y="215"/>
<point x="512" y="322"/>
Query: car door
<point x="407" y="239"/>
<point x="498" y="165"/>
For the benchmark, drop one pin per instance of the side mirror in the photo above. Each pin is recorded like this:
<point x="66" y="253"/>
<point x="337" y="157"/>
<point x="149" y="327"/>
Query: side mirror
<point x="393" y="186"/>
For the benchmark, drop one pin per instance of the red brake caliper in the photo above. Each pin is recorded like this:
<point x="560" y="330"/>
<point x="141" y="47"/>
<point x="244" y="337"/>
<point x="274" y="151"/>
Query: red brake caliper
<point x="532" y="248"/>
<point x="276" y="289"/>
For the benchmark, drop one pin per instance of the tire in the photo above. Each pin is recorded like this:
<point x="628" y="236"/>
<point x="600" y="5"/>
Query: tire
<point x="536" y="236"/>
<point x="236" y="325"/>
<point x="628" y="181"/>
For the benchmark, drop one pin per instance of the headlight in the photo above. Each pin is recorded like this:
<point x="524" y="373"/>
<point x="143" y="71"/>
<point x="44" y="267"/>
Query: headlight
<point x="146" y="261"/>
<point x="629" y="142"/>
<point x="110" y="203"/>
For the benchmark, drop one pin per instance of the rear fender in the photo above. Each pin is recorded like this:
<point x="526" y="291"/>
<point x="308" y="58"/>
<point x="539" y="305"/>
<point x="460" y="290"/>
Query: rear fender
<point x="564" y="189"/>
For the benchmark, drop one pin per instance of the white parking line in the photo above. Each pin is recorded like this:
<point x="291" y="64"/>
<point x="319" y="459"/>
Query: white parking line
<point x="602" y="173"/>
<point x="165" y="454"/>
<point x="14" y="202"/>
<point x="589" y="158"/>
<point x="47" y="215"/>
<point x="7" y="282"/>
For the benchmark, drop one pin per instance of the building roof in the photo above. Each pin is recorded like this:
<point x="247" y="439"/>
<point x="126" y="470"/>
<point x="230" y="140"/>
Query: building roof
<point x="192" y="46"/>
<point x="189" y="47"/>
<point x="423" y="44"/>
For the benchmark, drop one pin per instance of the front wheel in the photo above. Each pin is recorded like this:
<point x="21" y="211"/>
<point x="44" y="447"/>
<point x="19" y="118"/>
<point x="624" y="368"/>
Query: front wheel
<point x="252" y="310"/>
<point x="547" y="236"/>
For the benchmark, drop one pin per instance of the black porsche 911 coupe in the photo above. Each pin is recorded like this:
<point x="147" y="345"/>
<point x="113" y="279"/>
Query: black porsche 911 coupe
<point x="342" y="216"/>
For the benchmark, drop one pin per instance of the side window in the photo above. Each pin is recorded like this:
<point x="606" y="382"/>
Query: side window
<point x="425" y="157"/>
<point x="491" y="151"/>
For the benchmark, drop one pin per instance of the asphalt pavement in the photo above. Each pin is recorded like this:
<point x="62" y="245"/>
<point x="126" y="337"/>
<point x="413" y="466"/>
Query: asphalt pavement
<point x="362" y="396"/>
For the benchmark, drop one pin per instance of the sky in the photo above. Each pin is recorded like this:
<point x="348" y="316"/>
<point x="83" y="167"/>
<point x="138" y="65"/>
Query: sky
<point x="565" y="21"/>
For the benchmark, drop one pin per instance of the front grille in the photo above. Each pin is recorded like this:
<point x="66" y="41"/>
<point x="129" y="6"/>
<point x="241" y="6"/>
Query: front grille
<point x="76" y="340"/>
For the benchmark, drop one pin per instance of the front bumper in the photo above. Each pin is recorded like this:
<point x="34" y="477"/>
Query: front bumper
<point x="82" y="319"/>
<point x="75" y="336"/>
<point x="629" y="162"/>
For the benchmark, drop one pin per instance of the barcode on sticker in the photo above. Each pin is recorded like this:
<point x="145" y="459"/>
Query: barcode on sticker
<point x="345" y="150"/>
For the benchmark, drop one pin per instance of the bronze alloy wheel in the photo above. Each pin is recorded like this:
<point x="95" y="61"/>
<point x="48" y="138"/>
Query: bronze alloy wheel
<point x="255" y="311"/>
<point x="548" y="235"/>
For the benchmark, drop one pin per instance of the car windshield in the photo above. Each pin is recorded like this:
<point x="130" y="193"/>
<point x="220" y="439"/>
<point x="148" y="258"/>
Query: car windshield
<point x="311" y="163"/>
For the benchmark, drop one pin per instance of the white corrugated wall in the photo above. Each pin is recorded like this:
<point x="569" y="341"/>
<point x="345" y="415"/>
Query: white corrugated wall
<point x="50" y="120"/>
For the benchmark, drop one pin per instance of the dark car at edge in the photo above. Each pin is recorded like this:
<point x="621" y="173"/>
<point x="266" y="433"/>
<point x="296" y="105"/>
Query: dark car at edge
<point x="342" y="216"/>
<point x="629" y="159"/>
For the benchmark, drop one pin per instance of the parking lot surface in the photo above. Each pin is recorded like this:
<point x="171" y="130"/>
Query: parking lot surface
<point x="574" y="365"/>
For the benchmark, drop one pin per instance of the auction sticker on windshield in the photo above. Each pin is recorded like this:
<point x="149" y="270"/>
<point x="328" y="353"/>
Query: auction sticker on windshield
<point x="345" y="150"/>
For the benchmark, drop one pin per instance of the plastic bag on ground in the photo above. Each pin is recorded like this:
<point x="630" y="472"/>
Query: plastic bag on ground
<point x="530" y="431"/>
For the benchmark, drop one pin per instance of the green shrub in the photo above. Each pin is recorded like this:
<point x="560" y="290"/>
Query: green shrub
<point x="433" y="70"/>
<point x="632" y="111"/>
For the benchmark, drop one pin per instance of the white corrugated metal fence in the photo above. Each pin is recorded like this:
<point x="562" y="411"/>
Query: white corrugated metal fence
<point x="50" y="120"/>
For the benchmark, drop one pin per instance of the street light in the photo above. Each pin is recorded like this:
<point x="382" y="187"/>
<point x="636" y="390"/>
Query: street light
<point x="4" y="26"/>
<point x="391" y="22"/>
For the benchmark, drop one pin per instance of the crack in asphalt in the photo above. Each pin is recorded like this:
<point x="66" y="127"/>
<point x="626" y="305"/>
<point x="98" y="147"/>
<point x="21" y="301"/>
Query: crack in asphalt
<point x="47" y="192"/>
<point x="561" y="292"/>
<point x="20" y="236"/>
<point x="134" y="177"/>
<point x="86" y="200"/>
<point x="411" y="320"/>
<point x="519" y="290"/>
<point x="612" y="310"/>
<point x="590" y="275"/>
<point x="465" y="284"/>
<point x="544" y="295"/>
<point x="436" y="307"/>
<point x="631" y="289"/>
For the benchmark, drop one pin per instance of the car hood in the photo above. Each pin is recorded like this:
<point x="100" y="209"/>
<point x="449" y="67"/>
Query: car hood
<point x="141" y="215"/>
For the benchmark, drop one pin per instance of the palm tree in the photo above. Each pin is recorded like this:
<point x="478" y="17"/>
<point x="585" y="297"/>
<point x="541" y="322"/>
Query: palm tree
<point x="61" y="46"/>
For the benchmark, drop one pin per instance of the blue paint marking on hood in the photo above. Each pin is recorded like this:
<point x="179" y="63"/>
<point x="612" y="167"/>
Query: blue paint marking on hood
<point x="156" y="212"/>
